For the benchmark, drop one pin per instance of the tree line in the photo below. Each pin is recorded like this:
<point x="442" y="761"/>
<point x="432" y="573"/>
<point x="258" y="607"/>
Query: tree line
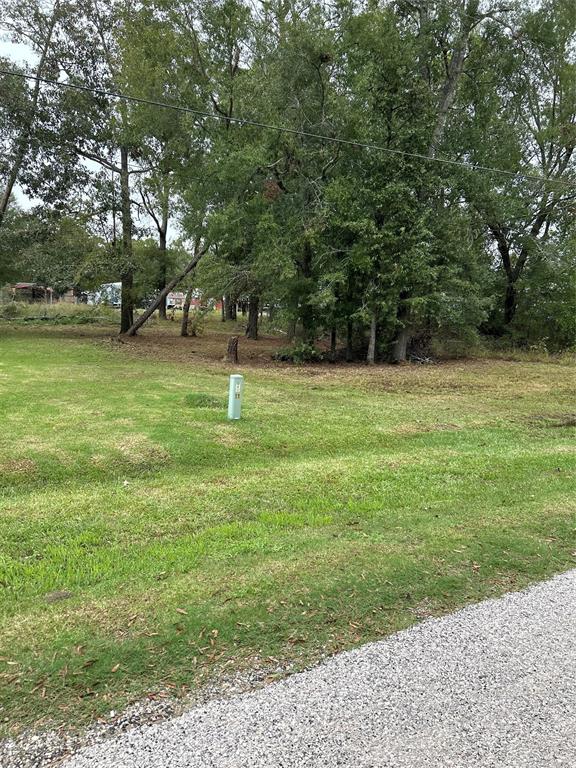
<point x="438" y="206"/>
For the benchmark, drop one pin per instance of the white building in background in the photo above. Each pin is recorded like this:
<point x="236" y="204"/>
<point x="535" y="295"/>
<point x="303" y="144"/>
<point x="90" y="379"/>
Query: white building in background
<point x="175" y="300"/>
<point x="107" y="293"/>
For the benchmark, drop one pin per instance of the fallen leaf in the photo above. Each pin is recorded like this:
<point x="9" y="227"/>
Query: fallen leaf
<point x="115" y="668"/>
<point x="182" y="611"/>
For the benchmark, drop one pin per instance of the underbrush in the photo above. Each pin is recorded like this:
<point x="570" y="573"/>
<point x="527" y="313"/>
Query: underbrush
<point x="59" y="314"/>
<point x="299" y="353"/>
<point x="500" y="349"/>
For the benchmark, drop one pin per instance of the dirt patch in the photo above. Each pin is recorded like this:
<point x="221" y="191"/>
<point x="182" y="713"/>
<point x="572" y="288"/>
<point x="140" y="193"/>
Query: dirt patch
<point x="56" y="597"/>
<point x="163" y="345"/>
<point x="553" y="420"/>
<point x="18" y="467"/>
<point x="225" y="434"/>
<point x="139" y="450"/>
<point x="416" y="429"/>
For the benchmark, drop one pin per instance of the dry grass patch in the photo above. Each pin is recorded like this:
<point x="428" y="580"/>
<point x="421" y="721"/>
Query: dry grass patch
<point x="139" y="450"/>
<point x="18" y="467"/>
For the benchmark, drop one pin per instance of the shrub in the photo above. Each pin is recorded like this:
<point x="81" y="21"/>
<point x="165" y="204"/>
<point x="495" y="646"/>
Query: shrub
<point x="197" y="321"/>
<point x="299" y="353"/>
<point x="9" y="311"/>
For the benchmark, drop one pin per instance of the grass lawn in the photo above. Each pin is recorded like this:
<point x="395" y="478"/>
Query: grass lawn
<point x="147" y="544"/>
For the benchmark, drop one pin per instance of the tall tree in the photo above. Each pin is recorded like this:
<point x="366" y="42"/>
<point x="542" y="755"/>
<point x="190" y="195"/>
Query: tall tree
<point x="523" y="119"/>
<point x="27" y="21"/>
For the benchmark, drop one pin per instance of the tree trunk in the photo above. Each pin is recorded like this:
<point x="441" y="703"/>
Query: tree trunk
<point x="127" y="277"/>
<point x="468" y="21"/>
<point x="162" y="247"/>
<point x="291" y="330"/>
<point x="198" y="253"/>
<point x="402" y="339"/>
<point x="333" y="344"/>
<point x="306" y="309"/>
<point x="223" y="309"/>
<point x="232" y="351"/>
<point x="23" y="143"/>
<point x="126" y="301"/>
<point x="349" y="341"/>
<point x="511" y="272"/>
<point x="510" y="302"/>
<point x="401" y="346"/>
<point x="308" y="323"/>
<point x="371" y="355"/>
<point x="252" y="327"/>
<point x="229" y="306"/>
<point x="186" y="312"/>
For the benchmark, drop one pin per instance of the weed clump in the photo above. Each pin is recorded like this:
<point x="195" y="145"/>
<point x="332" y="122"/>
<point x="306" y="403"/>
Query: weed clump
<point x="203" y="400"/>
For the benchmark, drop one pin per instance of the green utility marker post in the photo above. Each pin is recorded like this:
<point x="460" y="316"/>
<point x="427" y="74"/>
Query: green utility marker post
<point x="235" y="393"/>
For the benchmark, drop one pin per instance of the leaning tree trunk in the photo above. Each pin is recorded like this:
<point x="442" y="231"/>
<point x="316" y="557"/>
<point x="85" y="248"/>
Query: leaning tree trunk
<point x="186" y="312"/>
<point x="252" y="327"/>
<point x="371" y="355"/>
<point x="23" y="143"/>
<point x="139" y="322"/>
<point x="468" y="21"/>
<point x="127" y="277"/>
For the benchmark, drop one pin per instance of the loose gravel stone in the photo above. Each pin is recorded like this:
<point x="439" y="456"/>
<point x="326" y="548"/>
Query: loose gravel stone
<point x="493" y="685"/>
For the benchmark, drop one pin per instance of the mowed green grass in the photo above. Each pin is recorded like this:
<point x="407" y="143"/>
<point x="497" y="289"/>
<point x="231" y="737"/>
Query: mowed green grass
<point x="147" y="544"/>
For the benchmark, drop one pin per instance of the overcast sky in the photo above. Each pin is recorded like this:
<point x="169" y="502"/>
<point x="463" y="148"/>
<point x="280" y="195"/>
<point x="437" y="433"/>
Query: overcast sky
<point x="18" y="52"/>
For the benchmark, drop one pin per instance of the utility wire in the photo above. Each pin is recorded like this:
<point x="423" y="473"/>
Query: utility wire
<point x="283" y="129"/>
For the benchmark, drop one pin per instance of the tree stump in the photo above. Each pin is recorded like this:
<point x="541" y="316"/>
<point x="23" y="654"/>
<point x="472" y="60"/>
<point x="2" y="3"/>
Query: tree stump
<point x="232" y="351"/>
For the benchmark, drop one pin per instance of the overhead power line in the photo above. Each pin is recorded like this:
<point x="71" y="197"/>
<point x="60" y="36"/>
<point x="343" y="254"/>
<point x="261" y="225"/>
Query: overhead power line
<point x="284" y="129"/>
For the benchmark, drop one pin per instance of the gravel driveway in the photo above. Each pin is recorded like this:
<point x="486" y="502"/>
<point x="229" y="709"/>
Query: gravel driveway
<point x="491" y="685"/>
